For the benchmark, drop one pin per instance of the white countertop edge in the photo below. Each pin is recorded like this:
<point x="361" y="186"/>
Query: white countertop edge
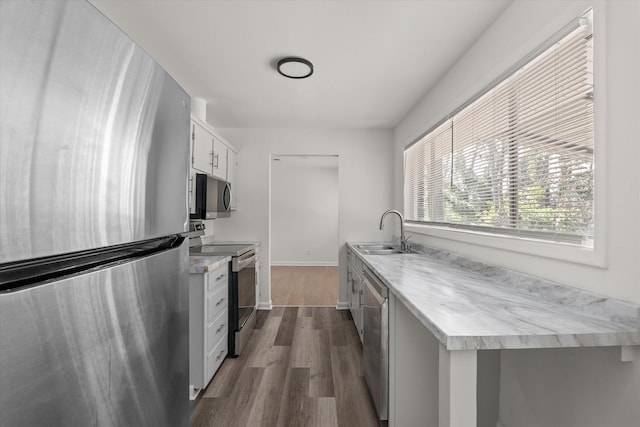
<point x="626" y="335"/>
<point x="200" y="264"/>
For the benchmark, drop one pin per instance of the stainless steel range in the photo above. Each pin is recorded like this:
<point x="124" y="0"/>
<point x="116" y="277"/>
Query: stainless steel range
<point x="242" y="289"/>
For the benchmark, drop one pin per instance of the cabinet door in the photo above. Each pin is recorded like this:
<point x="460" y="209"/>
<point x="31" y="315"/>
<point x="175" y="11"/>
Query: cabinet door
<point x="358" y="286"/>
<point x="352" y="293"/>
<point x="201" y="149"/>
<point x="219" y="159"/>
<point x="232" y="176"/>
<point x="216" y="293"/>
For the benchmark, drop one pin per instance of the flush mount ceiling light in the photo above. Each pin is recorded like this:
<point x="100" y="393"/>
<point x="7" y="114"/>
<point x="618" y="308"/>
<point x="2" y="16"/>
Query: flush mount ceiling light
<point x="295" y="68"/>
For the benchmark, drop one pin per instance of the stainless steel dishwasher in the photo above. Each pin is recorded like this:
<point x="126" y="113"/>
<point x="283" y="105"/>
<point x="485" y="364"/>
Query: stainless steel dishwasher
<point x="376" y="342"/>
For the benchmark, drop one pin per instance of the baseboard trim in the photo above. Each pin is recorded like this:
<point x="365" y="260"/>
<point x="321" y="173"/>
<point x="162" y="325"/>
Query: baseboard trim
<point x="342" y="306"/>
<point x="303" y="264"/>
<point x="265" y="306"/>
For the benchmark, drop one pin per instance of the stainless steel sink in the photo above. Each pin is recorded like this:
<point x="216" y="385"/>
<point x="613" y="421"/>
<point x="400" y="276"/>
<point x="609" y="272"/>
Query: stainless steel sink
<point x="379" y="249"/>
<point x="373" y="247"/>
<point x="382" y="251"/>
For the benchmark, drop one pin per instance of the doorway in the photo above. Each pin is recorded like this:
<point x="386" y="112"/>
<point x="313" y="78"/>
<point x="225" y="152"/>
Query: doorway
<point x="304" y="230"/>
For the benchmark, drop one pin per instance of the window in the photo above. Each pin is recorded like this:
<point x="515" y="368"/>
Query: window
<point x="519" y="158"/>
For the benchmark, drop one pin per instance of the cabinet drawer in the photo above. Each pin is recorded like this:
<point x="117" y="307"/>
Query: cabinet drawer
<point x="217" y="330"/>
<point x="217" y="279"/>
<point x="216" y="357"/>
<point x="216" y="304"/>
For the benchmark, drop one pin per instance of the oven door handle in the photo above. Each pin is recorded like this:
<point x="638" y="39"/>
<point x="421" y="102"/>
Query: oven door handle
<point x="243" y="262"/>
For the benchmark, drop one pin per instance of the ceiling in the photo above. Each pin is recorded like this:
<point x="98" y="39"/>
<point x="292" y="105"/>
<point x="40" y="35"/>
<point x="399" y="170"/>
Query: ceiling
<point x="374" y="60"/>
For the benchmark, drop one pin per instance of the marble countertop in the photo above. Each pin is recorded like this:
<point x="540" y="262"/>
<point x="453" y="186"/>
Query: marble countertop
<point x="470" y="305"/>
<point x="210" y="240"/>
<point x="200" y="264"/>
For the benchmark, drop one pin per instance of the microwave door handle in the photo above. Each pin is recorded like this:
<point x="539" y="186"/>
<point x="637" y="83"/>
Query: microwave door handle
<point x="226" y="197"/>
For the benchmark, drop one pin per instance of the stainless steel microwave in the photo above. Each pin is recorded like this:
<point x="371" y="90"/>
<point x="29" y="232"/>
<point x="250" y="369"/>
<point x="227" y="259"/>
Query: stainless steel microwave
<point x="212" y="198"/>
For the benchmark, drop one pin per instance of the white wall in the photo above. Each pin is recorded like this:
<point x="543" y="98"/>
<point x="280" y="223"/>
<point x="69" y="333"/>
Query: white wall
<point x="365" y="182"/>
<point x="521" y="28"/>
<point x="304" y="210"/>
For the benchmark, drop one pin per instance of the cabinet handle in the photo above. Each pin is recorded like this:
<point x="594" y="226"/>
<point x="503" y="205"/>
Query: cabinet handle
<point x="215" y="161"/>
<point x="220" y="302"/>
<point x="220" y="328"/>
<point x="220" y="277"/>
<point x="220" y="355"/>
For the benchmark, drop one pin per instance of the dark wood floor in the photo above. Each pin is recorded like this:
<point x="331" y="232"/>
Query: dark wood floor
<point x="301" y="367"/>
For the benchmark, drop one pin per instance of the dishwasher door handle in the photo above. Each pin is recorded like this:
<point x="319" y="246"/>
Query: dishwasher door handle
<point x="376" y="283"/>
<point x="373" y="292"/>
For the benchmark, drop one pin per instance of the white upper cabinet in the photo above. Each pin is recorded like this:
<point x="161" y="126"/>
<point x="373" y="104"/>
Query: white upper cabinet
<point x="208" y="151"/>
<point x="212" y="156"/>
<point x="201" y="149"/>
<point x="219" y="159"/>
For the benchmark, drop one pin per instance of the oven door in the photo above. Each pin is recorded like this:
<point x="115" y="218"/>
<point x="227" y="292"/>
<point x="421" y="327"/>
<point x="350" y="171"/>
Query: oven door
<point x="246" y="281"/>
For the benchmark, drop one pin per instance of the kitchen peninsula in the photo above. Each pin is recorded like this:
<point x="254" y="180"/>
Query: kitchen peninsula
<point x="473" y="311"/>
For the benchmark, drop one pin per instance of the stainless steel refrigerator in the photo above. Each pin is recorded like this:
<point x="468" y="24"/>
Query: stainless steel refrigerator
<point x="94" y="159"/>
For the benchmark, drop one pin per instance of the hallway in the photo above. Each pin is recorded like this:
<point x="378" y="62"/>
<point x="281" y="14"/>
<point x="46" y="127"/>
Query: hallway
<point x="311" y="286"/>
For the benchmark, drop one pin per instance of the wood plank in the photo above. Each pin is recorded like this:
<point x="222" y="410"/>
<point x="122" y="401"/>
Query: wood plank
<point x="305" y="311"/>
<point x="321" y="412"/>
<point x="331" y="320"/>
<point x="339" y="328"/>
<point x="261" y="317"/>
<point x="345" y="315"/>
<point x="354" y="406"/>
<point x="292" y="406"/>
<point x="302" y="351"/>
<point x="321" y="379"/>
<point x="311" y="349"/>
<point x="287" y="326"/>
<point x="237" y="407"/>
<point x="206" y="412"/>
<point x="321" y="318"/>
<point x="267" y="406"/>
<point x="223" y="381"/>
<point x="277" y="311"/>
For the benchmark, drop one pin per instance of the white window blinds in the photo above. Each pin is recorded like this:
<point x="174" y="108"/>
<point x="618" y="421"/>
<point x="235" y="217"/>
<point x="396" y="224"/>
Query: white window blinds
<point x="519" y="158"/>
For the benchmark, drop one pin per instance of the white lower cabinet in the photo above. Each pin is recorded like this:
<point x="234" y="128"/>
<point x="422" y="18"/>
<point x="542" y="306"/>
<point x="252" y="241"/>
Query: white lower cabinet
<point x="208" y="325"/>
<point x="356" y="283"/>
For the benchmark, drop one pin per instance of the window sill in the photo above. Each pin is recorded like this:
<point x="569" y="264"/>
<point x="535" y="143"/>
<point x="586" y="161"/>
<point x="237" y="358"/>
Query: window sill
<point x="594" y="257"/>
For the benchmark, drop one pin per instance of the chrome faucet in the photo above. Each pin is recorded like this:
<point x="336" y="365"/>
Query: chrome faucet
<point x="403" y="239"/>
